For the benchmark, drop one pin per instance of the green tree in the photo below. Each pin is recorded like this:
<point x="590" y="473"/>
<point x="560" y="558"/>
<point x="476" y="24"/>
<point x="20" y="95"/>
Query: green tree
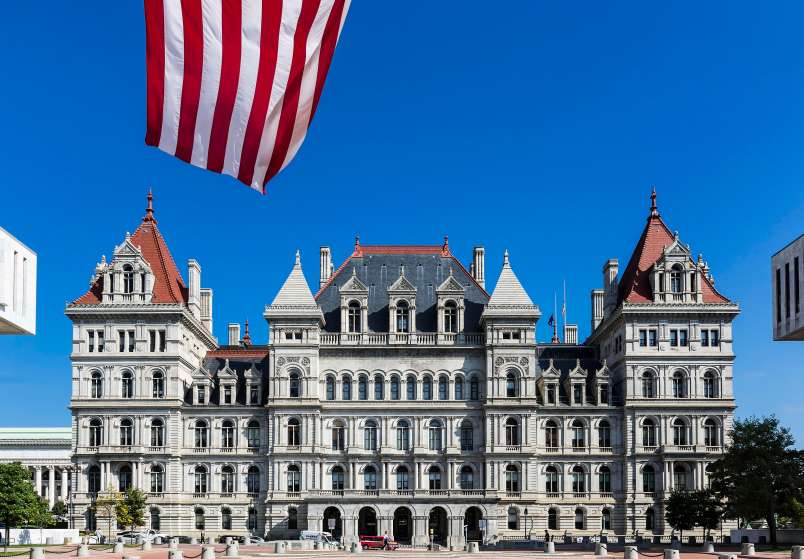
<point x="708" y="510"/>
<point x="41" y="517"/>
<point x="760" y="475"/>
<point x="59" y="509"/>
<point x="131" y="510"/>
<point x="107" y="503"/>
<point x="681" y="511"/>
<point x="18" y="501"/>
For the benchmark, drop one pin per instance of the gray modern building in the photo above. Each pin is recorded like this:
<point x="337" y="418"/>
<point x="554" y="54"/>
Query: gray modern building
<point x="787" y="279"/>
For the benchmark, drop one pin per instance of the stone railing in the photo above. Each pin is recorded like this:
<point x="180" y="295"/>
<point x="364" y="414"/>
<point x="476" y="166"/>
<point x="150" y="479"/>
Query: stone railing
<point x="401" y="338"/>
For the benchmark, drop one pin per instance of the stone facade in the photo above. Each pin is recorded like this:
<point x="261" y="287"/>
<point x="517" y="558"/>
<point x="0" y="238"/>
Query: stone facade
<point x="401" y="397"/>
<point x="46" y="452"/>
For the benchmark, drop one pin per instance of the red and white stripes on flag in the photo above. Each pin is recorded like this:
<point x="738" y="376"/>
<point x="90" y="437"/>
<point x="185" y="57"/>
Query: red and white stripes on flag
<point x="234" y="84"/>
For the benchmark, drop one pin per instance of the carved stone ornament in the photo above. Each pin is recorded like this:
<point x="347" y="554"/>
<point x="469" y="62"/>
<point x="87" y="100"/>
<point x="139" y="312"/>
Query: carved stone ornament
<point x="280" y="361"/>
<point x="523" y="361"/>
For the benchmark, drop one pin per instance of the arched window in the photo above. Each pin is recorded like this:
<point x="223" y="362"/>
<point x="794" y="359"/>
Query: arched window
<point x="679" y="477"/>
<point x="402" y="479"/>
<point x="294" y="432"/>
<point x="199" y="518"/>
<point x="578" y="434"/>
<point x="403" y="435"/>
<point x="648" y="384"/>
<point x="158" y="385"/>
<point x="354" y="317"/>
<point x="450" y="317"/>
<point x="157" y="478"/>
<point x="435" y="431"/>
<point x="379" y="387"/>
<point x="511" y="385"/>
<point x="346" y="388"/>
<point x="580" y="519"/>
<point x="294" y="479"/>
<point x="338" y="436"/>
<point x="551" y="481"/>
<point x="226" y="518"/>
<point x="227" y="479"/>
<point x="648" y="432"/>
<point x="467" y="435"/>
<point x="127" y="385"/>
<point x="710" y="385"/>
<point x="155" y="519"/>
<point x="513" y="518"/>
<point x="648" y="479"/>
<point x="362" y="388"/>
<point x="474" y="389"/>
<point x="604" y="479"/>
<point x="227" y="434"/>
<point x="370" y="435"/>
<point x="711" y="432"/>
<point x="578" y="480"/>
<point x="512" y="478"/>
<point x="337" y="479"/>
<point x="128" y="279"/>
<point x="93" y="479"/>
<point x="252" y="520"/>
<point x="126" y="432"/>
<point x="96" y="385"/>
<point x="511" y="432"/>
<point x="443" y="387"/>
<point x="124" y="478"/>
<point x="395" y="387"/>
<point x="676" y="279"/>
<point x="253" y="480"/>
<point x="253" y="434"/>
<point x="605" y="519"/>
<point x="604" y="434"/>
<point x="369" y="478"/>
<point x="552" y="519"/>
<point x="427" y="388"/>
<point x="410" y="387"/>
<point x="201" y="479"/>
<point x="467" y="480"/>
<point x="295" y="384"/>
<point x="650" y="519"/>
<point x="95" y="432"/>
<point x="551" y="434"/>
<point x="679" y="432"/>
<point x="459" y="388"/>
<point x="679" y="383"/>
<point x="330" y="388"/>
<point x="434" y="478"/>
<point x="402" y="316"/>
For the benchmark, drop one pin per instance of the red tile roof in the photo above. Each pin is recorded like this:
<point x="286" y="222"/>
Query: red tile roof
<point x="233" y="352"/>
<point x="169" y="286"/>
<point x="635" y="282"/>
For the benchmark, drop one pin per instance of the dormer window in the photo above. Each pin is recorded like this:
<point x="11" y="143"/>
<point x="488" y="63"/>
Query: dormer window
<point x="676" y="279"/>
<point x="450" y="317"/>
<point x="254" y="394"/>
<point x="227" y="394"/>
<point x="201" y="394"/>
<point x="603" y="393"/>
<point x="577" y="393"/>
<point x="354" y="313"/>
<point x="552" y="391"/>
<point x="402" y="317"/>
<point x="128" y="279"/>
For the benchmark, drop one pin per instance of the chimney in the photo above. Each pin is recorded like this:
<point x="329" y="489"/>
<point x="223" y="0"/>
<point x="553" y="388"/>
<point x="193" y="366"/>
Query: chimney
<point x="479" y="266"/>
<point x="234" y="333"/>
<point x="597" y="308"/>
<point x="194" y="287"/>
<point x="206" y="308"/>
<point x="326" y="266"/>
<point x="610" y="269"/>
<point x="571" y="334"/>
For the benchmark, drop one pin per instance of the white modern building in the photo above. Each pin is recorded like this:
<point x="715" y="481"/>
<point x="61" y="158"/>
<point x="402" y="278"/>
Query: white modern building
<point x="401" y="396"/>
<point x="787" y="278"/>
<point x="17" y="286"/>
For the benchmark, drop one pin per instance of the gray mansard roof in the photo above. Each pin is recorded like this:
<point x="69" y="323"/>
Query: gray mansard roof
<point x="379" y="267"/>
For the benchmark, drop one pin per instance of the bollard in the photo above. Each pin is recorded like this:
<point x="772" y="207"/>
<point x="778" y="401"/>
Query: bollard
<point x="279" y="547"/>
<point x="227" y="540"/>
<point x="473" y="547"/>
<point x="157" y="540"/>
<point x="356" y="548"/>
<point x="174" y="544"/>
<point x="727" y="556"/>
<point x="175" y="554"/>
<point x="231" y="550"/>
<point x="37" y="553"/>
<point x="748" y="549"/>
<point x="601" y="549"/>
<point x="83" y="550"/>
<point x="797" y="552"/>
<point x="208" y="552"/>
<point x="118" y="547"/>
<point x="671" y="554"/>
<point x="146" y="545"/>
<point x="708" y="547"/>
<point x="549" y="547"/>
<point x="630" y="552"/>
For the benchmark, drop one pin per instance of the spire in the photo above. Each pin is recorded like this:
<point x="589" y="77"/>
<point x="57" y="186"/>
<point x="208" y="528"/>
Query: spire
<point x="294" y="299"/>
<point x="654" y="209"/>
<point x="445" y="246"/>
<point x="357" y="243"/>
<point x="508" y="290"/>
<point x="298" y="258"/>
<point x="247" y="336"/>
<point x="505" y="259"/>
<point x="149" y="211"/>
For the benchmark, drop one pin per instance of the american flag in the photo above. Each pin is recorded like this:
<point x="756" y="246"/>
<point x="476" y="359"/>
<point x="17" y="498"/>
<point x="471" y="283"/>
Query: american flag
<point x="234" y="84"/>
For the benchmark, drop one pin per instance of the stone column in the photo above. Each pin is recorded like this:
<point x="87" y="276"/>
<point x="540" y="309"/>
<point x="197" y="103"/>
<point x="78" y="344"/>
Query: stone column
<point x="64" y="485"/>
<point x="38" y="480"/>
<point x="51" y="487"/>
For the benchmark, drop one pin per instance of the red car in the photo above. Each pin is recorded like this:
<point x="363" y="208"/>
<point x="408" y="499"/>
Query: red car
<point x="378" y="542"/>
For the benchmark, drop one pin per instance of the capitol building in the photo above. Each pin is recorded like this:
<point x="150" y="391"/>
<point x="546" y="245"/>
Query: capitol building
<point x="399" y="395"/>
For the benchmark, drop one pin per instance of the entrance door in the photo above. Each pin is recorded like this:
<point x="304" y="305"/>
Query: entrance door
<point x="472" y="522"/>
<point x="367" y="522"/>
<point x="437" y="526"/>
<point x="403" y="525"/>
<point x="333" y="527"/>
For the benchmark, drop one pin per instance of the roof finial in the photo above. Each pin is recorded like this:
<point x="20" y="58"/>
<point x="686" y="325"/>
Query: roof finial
<point x="505" y="258"/>
<point x="654" y="209"/>
<point x="247" y="336"/>
<point x="446" y="242"/>
<point x="149" y="211"/>
<point x="298" y="258"/>
<point x="357" y="242"/>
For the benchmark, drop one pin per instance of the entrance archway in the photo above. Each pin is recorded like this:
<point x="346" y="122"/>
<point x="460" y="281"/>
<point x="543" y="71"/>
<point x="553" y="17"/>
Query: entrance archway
<point x="472" y="522"/>
<point x="437" y="526"/>
<point x="335" y="527"/>
<point x="367" y="522"/>
<point x="403" y="525"/>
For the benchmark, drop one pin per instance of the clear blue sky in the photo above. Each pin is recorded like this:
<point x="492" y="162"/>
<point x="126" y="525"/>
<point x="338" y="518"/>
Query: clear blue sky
<point x="538" y="128"/>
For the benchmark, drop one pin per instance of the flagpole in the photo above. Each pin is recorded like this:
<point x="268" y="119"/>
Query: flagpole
<point x="564" y="314"/>
<point x="555" y="320"/>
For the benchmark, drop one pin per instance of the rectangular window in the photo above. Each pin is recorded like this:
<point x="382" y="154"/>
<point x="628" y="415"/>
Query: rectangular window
<point x="227" y="394"/>
<point x="131" y="341"/>
<point x="551" y="394"/>
<point x="643" y="338"/>
<point x="604" y="393"/>
<point x="683" y="338"/>
<point x="674" y="338"/>
<point x="152" y="341"/>
<point x="162" y="341"/>
<point x="202" y="395"/>
<point x="100" y="340"/>
<point x="254" y="395"/>
<point x="704" y="338"/>
<point x="714" y="337"/>
<point x="577" y="393"/>
<point x="778" y="295"/>
<point x="796" y="284"/>
<point x="121" y="341"/>
<point x="787" y="290"/>
<point x="652" y="338"/>
<point x="91" y="335"/>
